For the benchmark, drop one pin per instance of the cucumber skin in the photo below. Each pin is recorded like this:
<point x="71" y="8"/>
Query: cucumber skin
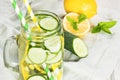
<point x="69" y="41"/>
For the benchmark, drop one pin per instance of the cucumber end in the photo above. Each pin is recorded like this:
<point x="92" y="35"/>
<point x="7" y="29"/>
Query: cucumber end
<point x="80" y="48"/>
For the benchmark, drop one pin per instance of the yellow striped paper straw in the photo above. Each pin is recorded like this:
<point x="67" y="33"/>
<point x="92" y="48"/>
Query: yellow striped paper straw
<point x="31" y="13"/>
<point x="35" y="21"/>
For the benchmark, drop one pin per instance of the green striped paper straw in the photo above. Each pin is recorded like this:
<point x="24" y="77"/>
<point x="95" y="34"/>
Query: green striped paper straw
<point x="19" y="13"/>
<point x="48" y="71"/>
<point x="21" y="17"/>
<point x="24" y="23"/>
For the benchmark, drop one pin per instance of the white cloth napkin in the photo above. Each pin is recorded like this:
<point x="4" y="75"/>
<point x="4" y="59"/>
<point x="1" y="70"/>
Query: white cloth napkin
<point x="104" y="54"/>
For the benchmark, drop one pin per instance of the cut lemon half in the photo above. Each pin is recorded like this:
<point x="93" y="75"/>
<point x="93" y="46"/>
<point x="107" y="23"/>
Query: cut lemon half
<point x="83" y="27"/>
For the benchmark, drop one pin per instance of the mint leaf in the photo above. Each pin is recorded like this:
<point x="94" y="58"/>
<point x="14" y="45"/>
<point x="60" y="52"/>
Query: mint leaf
<point x="96" y="29"/>
<point x="104" y="26"/>
<point x="70" y="19"/>
<point x="106" y="30"/>
<point x="81" y="18"/>
<point x="73" y="23"/>
<point x="109" y="24"/>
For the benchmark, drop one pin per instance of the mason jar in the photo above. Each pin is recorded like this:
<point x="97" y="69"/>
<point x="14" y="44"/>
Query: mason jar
<point x="39" y="52"/>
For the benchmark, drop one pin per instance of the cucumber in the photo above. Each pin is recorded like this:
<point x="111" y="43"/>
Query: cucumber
<point x="37" y="55"/>
<point x="27" y="60"/>
<point x="51" y="56"/>
<point x="75" y="45"/>
<point x="48" y="23"/>
<point x="55" y="59"/>
<point x="36" y="77"/>
<point x="53" y="44"/>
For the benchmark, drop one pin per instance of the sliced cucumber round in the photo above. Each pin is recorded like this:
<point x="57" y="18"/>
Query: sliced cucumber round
<point x="51" y="56"/>
<point x="53" y="44"/>
<point x="37" y="55"/>
<point x="27" y="60"/>
<point x="48" y="23"/>
<point x="55" y="59"/>
<point x="36" y="77"/>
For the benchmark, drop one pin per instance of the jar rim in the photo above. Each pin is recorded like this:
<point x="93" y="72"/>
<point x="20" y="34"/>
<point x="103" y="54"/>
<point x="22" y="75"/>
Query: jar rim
<point x="39" y="12"/>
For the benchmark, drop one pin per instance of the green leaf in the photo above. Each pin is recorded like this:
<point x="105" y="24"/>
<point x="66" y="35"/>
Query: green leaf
<point x="104" y="26"/>
<point x="96" y="29"/>
<point x="81" y="18"/>
<point x="70" y="19"/>
<point x="109" y="24"/>
<point x="73" y="23"/>
<point x="106" y="30"/>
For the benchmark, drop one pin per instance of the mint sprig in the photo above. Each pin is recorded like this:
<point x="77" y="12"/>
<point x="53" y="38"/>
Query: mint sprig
<point x="96" y="29"/>
<point x="81" y="18"/>
<point x="104" y="26"/>
<point x="74" y="23"/>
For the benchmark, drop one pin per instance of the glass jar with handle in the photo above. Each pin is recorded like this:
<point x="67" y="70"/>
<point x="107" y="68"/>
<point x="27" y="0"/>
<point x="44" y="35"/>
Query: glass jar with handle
<point x="34" y="54"/>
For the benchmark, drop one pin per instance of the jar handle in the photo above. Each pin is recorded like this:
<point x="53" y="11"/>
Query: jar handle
<point x="10" y="54"/>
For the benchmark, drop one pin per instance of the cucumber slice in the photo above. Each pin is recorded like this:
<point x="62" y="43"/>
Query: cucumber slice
<point x="51" y="56"/>
<point x="36" y="77"/>
<point x="27" y="60"/>
<point x="48" y="23"/>
<point x="55" y="59"/>
<point x="80" y="48"/>
<point x="75" y="45"/>
<point x="37" y="55"/>
<point x="53" y="44"/>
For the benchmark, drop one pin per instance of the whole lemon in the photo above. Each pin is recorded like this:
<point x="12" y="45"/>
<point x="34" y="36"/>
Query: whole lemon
<point x="87" y="7"/>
